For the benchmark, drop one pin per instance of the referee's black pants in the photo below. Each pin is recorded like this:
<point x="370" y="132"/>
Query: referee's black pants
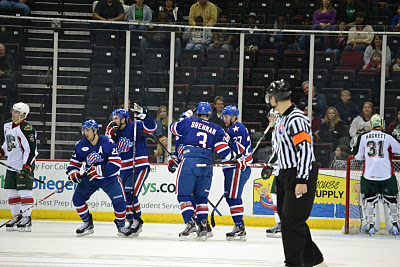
<point x="298" y="246"/>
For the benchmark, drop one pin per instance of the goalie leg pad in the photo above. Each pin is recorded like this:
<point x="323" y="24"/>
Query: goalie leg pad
<point x="391" y="214"/>
<point x="370" y="221"/>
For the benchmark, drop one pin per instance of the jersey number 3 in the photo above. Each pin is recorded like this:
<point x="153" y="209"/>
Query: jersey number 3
<point x="204" y="141"/>
<point x="375" y="148"/>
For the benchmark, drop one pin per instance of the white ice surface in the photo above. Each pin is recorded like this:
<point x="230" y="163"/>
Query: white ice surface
<point x="54" y="243"/>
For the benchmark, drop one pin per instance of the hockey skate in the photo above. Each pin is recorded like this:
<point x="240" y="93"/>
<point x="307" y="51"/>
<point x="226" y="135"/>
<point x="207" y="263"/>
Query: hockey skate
<point x="202" y="231"/>
<point x="238" y="233"/>
<point x="12" y="225"/>
<point x="209" y="230"/>
<point x="189" y="232"/>
<point x="87" y="228"/>
<point x="25" y="224"/>
<point x="394" y="230"/>
<point x="136" y="228"/>
<point x="274" y="231"/>
<point x="122" y="230"/>
<point x="368" y="229"/>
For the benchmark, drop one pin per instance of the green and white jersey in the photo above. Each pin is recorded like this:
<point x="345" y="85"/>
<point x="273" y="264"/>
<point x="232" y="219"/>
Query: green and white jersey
<point x="19" y="144"/>
<point x="377" y="149"/>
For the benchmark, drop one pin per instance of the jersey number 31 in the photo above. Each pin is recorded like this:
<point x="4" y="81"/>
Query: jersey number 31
<point x="375" y="148"/>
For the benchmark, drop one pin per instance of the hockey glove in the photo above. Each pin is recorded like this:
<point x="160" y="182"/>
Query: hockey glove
<point x="93" y="158"/>
<point x="75" y="177"/>
<point x="139" y="112"/>
<point x="111" y="127"/>
<point x="240" y="162"/>
<point x="26" y="171"/>
<point x="2" y="153"/>
<point x="171" y="163"/>
<point x="123" y="145"/>
<point x="95" y="172"/>
<point x="266" y="172"/>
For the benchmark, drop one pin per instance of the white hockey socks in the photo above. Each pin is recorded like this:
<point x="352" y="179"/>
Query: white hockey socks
<point x="26" y="201"/>
<point x="14" y="200"/>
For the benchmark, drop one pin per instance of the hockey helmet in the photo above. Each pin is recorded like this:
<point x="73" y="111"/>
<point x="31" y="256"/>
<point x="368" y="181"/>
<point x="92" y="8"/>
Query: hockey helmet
<point x="230" y="110"/>
<point x="21" y="108"/>
<point x="122" y="113"/>
<point x="90" y="124"/>
<point x="376" y="121"/>
<point x="396" y="133"/>
<point x="279" y="89"/>
<point x="204" y="108"/>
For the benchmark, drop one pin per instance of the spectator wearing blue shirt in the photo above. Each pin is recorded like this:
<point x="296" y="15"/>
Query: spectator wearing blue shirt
<point x="347" y="110"/>
<point x="319" y="101"/>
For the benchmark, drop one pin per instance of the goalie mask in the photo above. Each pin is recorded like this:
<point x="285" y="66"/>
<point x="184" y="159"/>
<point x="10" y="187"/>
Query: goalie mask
<point x="396" y="133"/>
<point x="376" y="121"/>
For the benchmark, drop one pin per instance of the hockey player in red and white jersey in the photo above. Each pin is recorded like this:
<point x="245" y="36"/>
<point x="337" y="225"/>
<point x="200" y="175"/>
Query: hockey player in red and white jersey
<point x="378" y="182"/>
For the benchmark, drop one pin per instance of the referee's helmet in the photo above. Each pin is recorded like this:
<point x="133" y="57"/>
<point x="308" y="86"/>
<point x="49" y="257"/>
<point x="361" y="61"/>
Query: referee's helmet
<point x="279" y="89"/>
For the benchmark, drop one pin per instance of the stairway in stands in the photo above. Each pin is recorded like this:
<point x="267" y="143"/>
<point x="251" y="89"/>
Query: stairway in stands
<point x="74" y="61"/>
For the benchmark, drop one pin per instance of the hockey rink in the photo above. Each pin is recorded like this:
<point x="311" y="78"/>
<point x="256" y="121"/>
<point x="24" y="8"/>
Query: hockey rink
<point x="54" y="243"/>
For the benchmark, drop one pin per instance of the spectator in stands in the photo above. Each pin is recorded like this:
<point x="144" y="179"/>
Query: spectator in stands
<point x="139" y="12"/>
<point x="7" y="64"/>
<point x="205" y="9"/>
<point x="324" y="19"/>
<point x="376" y="46"/>
<point x="348" y="9"/>
<point x="376" y="64"/>
<point x="252" y="40"/>
<point x="174" y="14"/>
<point x="396" y="66"/>
<point x="197" y="39"/>
<point x="361" y="124"/>
<point x="337" y="43"/>
<point x="302" y="41"/>
<point x="359" y="41"/>
<point x="340" y="159"/>
<point x="222" y="38"/>
<point x="162" y="156"/>
<point x="396" y="21"/>
<point x="162" y="121"/>
<point x="347" y="110"/>
<point x="332" y="128"/>
<point x="16" y="4"/>
<point x="393" y="124"/>
<point x="110" y="10"/>
<point x="319" y="101"/>
<point x="216" y="115"/>
<point x="159" y="37"/>
<point x="316" y="123"/>
<point x="279" y="40"/>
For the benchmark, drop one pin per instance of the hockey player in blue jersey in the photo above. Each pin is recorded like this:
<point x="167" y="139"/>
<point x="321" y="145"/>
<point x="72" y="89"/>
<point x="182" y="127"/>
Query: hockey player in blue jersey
<point x="102" y="170"/>
<point x="200" y="138"/>
<point x="235" y="179"/>
<point x="122" y="132"/>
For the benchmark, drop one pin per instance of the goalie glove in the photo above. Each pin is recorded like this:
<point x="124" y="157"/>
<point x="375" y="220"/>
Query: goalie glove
<point x="123" y="145"/>
<point x="171" y="163"/>
<point x="93" y="158"/>
<point x="75" y="177"/>
<point x="266" y="172"/>
<point x="95" y="172"/>
<point x="139" y="112"/>
<point x="26" y="171"/>
<point x="111" y="127"/>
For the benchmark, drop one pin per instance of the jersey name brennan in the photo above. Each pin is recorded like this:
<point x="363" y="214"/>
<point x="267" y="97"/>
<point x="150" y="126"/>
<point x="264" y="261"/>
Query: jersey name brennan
<point x="203" y="127"/>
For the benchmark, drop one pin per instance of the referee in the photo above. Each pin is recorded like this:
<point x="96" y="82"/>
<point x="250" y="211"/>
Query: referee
<point x="296" y="183"/>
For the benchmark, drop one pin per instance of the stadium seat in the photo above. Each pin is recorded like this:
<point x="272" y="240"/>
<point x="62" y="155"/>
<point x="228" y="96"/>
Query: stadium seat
<point x="178" y="109"/>
<point x="293" y="76"/>
<point x="253" y="94"/>
<point x="210" y="75"/>
<point x="255" y="113"/>
<point x="351" y="60"/>
<point x="104" y="55"/>
<point x="249" y="59"/>
<point x="395" y="78"/>
<point x="198" y="93"/>
<point x="268" y="58"/>
<point x="359" y="96"/>
<point x="262" y="77"/>
<point x="392" y="97"/>
<point x="320" y="77"/>
<point x="294" y="59"/>
<point x="185" y="75"/>
<point x="181" y="92"/>
<point x="192" y="58"/>
<point x="369" y="79"/>
<point x="218" y="58"/>
<point x="324" y="60"/>
<point x="332" y="95"/>
<point x="155" y="59"/>
<point x="342" y="78"/>
<point x="390" y="114"/>
<point x="134" y="56"/>
<point x="297" y="94"/>
<point x="106" y="38"/>
<point x="231" y="76"/>
<point x="253" y="127"/>
<point x="229" y="92"/>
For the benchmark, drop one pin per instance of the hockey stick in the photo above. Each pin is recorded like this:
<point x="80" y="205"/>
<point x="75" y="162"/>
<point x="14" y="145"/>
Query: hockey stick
<point x="18" y="171"/>
<point x="265" y="132"/>
<point x="231" y="165"/>
<point x="37" y="203"/>
<point x="137" y="217"/>
<point x="214" y="209"/>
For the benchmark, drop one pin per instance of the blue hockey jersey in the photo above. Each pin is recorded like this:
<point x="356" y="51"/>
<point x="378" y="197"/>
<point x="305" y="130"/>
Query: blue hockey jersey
<point x="239" y="142"/>
<point x="204" y="134"/>
<point x="109" y="157"/>
<point x="126" y="135"/>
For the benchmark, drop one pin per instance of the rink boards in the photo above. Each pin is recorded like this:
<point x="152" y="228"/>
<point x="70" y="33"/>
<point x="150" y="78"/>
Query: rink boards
<point x="158" y="198"/>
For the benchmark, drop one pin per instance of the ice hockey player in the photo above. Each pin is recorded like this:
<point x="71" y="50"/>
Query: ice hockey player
<point x="20" y="148"/>
<point x="122" y="132"/>
<point x="200" y="138"/>
<point x="378" y="183"/>
<point x="235" y="179"/>
<point x="102" y="170"/>
<point x="274" y="231"/>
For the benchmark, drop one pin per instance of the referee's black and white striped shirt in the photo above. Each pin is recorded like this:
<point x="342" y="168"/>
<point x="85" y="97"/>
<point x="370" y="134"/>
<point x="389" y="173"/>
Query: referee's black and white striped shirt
<point x="293" y="142"/>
